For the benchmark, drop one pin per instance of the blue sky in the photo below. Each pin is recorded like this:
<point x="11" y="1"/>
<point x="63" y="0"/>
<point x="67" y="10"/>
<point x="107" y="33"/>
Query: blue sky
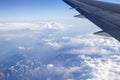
<point x="33" y="9"/>
<point x="18" y="10"/>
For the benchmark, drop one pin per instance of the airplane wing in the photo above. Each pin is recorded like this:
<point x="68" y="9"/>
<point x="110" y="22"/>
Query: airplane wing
<point x="105" y="15"/>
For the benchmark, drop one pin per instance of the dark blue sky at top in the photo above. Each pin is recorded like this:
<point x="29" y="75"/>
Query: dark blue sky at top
<point x="28" y="4"/>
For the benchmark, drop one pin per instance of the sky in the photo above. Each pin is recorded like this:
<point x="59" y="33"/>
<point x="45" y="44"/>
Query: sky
<point x="21" y="10"/>
<point x="34" y="9"/>
<point x="44" y="10"/>
<point x="12" y="10"/>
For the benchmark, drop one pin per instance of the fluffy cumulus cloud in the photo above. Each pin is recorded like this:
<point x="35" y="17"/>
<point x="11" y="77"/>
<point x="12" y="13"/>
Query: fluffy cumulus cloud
<point x="94" y="45"/>
<point x="86" y="57"/>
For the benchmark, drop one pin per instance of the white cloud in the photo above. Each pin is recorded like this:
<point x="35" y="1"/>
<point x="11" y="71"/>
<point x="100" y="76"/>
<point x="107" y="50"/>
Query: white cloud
<point x="91" y="44"/>
<point x="14" y="26"/>
<point x="56" y="26"/>
<point x="51" y="43"/>
<point x="30" y="29"/>
<point x="96" y="58"/>
<point x="92" y="50"/>
<point x="49" y="66"/>
<point x="21" y="47"/>
<point x="102" y="68"/>
<point x="54" y="44"/>
<point x="32" y="26"/>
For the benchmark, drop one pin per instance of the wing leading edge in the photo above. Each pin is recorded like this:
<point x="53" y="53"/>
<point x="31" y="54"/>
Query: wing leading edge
<point x="107" y="18"/>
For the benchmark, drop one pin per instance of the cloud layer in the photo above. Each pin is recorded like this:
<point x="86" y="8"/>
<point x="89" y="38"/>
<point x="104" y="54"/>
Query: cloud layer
<point x="51" y="57"/>
<point x="32" y="26"/>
